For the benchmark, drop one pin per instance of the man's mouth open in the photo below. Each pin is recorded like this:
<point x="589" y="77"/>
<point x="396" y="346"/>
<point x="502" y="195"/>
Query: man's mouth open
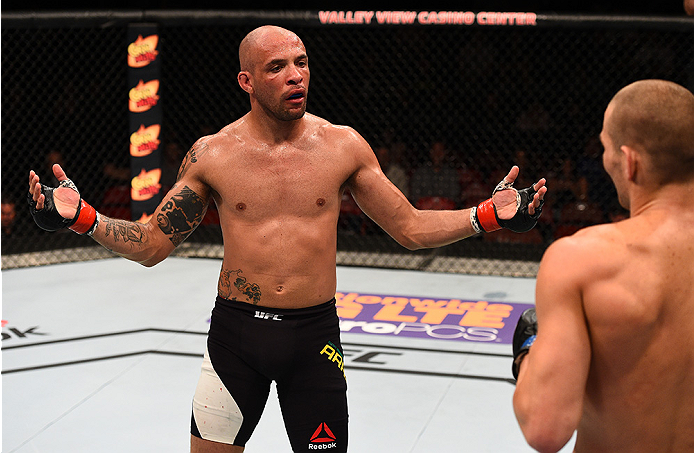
<point x="296" y="96"/>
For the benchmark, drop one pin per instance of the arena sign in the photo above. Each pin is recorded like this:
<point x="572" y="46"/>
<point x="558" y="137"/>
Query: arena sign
<point x="426" y="18"/>
<point x="443" y="319"/>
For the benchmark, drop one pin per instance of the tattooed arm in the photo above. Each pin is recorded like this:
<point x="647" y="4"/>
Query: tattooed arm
<point x="176" y="217"/>
<point x="179" y="213"/>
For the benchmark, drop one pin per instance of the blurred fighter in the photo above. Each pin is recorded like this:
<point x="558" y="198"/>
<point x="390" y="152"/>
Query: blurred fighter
<point x="614" y="323"/>
<point x="277" y="175"/>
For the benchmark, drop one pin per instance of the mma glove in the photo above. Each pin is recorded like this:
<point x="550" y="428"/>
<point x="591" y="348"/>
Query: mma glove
<point x="523" y="337"/>
<point x="85" y="221"/>
<point x="485" y="219"/>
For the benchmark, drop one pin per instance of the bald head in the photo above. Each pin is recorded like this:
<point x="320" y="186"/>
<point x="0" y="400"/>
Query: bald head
<point x="656" y="117"/>
<point x="260" y="39"/>
<point x="689" y="7"/>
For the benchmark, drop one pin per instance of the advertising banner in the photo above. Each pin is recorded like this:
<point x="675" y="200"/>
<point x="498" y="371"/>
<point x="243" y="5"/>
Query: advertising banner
<point x="145" y="112"/>
<point x="419" y="317"/>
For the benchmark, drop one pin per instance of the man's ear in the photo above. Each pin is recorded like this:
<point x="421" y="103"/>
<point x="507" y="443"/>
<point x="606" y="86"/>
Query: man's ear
<point x="632" y="162"/>
<point x="244" y="79"/>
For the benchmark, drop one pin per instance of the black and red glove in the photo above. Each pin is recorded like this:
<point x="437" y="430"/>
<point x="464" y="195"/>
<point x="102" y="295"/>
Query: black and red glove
<point x="485" y="219"/>
<point x="85" y="221"/>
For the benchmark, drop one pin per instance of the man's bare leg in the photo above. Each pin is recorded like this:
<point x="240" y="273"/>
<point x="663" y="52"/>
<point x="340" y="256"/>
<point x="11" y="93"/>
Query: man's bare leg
<point x="198" y="445"/>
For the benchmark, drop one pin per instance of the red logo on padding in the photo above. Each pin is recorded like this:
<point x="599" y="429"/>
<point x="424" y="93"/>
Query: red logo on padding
<point x="323" y="434"/>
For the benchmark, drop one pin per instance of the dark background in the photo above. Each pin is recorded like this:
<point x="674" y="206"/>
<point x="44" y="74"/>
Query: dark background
<point x="668" y="7"/>
<point x="532" y="96"/>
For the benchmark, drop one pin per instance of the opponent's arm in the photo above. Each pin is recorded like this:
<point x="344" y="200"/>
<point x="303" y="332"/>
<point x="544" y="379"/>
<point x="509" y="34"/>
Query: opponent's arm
<point x="548" y="400"/>
<point x="414" y="229"/>
<point x="175" y="218"/>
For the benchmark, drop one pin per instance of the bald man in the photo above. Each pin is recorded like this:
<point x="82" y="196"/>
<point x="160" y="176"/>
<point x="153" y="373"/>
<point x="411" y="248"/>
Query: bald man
<point x="613" y="349"/>
<point x="277" y="176"/>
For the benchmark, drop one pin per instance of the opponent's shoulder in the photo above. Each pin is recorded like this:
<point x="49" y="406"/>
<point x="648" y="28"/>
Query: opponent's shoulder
<point x="589" y="251"/>
<point x="606" y="233"/>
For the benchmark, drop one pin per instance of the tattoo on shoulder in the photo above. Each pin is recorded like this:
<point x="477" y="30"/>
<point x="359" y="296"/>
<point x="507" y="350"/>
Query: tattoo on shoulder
<point x="198" y="150"/>
<point x="250" y="290"/>
<point x="181" y="214"/>
<point x="122" y="230"/>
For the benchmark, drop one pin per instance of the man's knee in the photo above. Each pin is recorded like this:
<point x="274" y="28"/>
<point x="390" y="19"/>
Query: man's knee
<point x="198" y="445"/>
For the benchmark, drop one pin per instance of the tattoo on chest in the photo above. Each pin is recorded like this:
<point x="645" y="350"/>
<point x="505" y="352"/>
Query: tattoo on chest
<point x="125" y="231"/>
<point x="227" y="278"/>
<point x="198" y="150"/>
<point x="181" y="214"/>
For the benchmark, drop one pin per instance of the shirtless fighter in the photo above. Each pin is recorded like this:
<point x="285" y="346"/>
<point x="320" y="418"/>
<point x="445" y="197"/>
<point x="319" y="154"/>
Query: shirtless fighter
<point x="276" y="175"/>
<point x="614" y="323"/>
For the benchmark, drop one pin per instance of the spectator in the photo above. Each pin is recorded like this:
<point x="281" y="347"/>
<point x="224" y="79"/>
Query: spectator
<point x="53" y="157"/>
<point x="390" y="164"/>
<point x="567" y="187"/>
<point x="9" y="215"/>
<point x="170" y="163"/>
<point x="436" y="178"/>
<point x="595" y="183"/>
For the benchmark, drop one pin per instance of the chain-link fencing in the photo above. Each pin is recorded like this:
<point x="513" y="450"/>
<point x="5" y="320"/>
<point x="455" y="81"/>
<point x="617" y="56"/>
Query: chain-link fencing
<point x="447" y="108"/>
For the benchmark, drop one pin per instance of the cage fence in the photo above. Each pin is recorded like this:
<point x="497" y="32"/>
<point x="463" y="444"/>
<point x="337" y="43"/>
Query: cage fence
<point x="448" y="109"/>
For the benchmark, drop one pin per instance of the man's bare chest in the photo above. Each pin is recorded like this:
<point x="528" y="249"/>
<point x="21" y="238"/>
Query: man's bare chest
<point x="294" y="181"/>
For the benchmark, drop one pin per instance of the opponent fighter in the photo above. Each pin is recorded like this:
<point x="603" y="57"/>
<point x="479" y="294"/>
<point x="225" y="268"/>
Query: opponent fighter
<point x="614" y="321"/>
<point x="277" y="175"/>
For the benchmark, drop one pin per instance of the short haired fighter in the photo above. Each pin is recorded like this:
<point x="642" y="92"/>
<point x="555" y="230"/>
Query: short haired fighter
<point x="608" y="350"/>
<point x="277" y="176"/>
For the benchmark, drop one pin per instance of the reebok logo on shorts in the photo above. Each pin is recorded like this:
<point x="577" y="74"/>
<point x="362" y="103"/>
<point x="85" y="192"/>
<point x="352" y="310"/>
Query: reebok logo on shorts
<point x="322" y="439"/>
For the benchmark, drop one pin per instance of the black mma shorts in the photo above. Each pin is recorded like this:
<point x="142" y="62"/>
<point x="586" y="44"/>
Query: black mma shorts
<point x="248" y="347"/>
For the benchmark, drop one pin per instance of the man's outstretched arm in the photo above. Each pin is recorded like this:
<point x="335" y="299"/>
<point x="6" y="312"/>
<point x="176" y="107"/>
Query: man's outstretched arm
<point x="174" y="219"/>
<point x="517" y="210"/>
